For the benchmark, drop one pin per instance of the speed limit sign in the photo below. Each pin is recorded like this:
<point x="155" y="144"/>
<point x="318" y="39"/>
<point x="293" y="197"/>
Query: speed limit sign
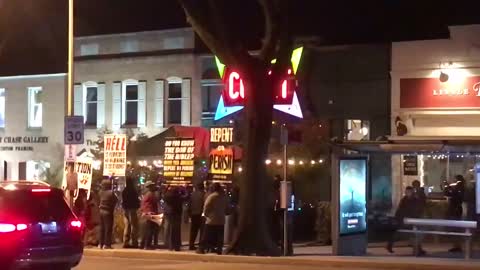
<point x="74" y="130"/>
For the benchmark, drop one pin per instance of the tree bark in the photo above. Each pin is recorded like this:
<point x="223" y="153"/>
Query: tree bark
<point x="253" y="235"/>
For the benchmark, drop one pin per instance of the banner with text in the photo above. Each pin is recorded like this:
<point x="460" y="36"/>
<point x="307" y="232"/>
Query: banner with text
<point x="82" y="170"/>
<point x="221" y="154"/>
<point x="178" y="160"/>
<point x="115" y="154"/>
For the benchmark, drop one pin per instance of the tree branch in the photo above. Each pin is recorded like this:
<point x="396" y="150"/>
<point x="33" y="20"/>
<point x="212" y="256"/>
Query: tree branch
<point x="272" y="28"/>
<point x="201" y="26"/>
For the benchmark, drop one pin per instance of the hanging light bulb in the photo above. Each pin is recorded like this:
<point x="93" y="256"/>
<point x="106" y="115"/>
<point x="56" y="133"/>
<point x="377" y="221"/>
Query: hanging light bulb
<point x="268" y="161"/>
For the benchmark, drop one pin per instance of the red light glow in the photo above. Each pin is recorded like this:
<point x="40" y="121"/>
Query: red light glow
<point x="284" y="89"/>
<point x="235" y="92"/>
<point x="6" y="228"/>
<point x="76" y="224"/>
<point x="21" y="227"/>
<point x="289" y="71"/>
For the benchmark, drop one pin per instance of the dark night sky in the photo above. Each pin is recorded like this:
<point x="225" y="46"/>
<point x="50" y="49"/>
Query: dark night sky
<point x="34" y="32"/>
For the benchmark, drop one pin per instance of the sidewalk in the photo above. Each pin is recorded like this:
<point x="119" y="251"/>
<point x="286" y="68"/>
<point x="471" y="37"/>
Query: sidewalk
<point x="319" y="256"/>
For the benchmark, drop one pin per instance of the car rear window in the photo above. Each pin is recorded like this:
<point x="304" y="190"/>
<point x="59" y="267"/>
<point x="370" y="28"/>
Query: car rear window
<point x="34" y="206"/>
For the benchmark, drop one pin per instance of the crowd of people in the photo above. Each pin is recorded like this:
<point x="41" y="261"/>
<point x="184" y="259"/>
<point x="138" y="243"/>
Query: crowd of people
<point x="206" y="208"/>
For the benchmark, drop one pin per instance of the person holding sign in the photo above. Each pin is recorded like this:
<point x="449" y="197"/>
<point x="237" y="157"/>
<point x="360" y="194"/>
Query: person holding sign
<point x="72" y="184"/>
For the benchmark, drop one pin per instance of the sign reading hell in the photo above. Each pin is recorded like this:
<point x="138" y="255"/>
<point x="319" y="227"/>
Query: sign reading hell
<point x="178" y="161"/>
<point x="221" y="161"/>
<point x="115" y="154"/>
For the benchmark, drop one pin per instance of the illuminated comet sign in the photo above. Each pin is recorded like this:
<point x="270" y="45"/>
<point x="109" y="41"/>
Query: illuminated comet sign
<point x="233" y="96"/>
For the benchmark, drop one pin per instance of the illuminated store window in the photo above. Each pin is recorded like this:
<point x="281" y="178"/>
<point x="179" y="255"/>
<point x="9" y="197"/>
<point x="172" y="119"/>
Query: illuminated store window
<point x="2" y="108"/>
<point x="35" y="107"/>
<point x="357" y="130"/>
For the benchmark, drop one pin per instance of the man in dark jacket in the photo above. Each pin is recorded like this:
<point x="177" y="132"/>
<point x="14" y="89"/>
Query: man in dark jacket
<point x="197" y="199"/>
<point x="130" y="205"/>
<point x="174" y="202"/>
<point x="455" y="193"/>
<point x="108" y="201"/>
<point x="408" y="208"/>
<point x="149" y="207"/>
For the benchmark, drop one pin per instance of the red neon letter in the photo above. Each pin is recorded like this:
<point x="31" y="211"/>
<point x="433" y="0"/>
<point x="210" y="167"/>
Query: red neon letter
<point x="284" y="89"/>
<point x="231" y="82"/>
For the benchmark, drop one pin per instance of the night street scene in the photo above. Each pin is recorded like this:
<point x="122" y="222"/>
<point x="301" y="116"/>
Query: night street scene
<point x="240" y="134"/>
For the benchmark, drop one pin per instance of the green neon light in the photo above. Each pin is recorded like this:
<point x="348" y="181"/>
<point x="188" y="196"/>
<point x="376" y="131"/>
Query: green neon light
<point x="296" y="56"/>
<point x="220" y="67"/>
<point x="295" y="59"/>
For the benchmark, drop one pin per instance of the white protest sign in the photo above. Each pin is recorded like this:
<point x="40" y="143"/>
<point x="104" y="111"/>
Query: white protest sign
<point x="115" y="154"/>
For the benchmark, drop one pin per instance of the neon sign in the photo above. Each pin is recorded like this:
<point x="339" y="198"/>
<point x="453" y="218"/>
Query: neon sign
<point x="233" y="96"/>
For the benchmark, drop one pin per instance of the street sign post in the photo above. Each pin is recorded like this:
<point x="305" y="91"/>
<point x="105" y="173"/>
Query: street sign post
<point x="74" y="130"/>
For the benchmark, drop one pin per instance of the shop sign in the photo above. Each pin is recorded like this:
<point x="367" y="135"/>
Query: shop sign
<point x="83" y="169"/>
<point x="114" y="154"/>
<point x="234" y="95"/>
<point x="431" y="93"/>
<point x="178" y="160"/>
<point x="14" y="143"/>
<point x="410" y="165"/>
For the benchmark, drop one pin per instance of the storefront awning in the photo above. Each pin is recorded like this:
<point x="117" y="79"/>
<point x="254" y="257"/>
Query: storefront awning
<point x="419" y="145"/>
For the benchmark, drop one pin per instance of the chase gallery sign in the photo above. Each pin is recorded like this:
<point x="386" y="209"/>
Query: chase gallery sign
<point x="21" y="143"/>
<point x="431" y="93"/>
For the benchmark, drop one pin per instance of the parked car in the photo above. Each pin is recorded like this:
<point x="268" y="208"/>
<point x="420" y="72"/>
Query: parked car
<point x="37" y="228"/>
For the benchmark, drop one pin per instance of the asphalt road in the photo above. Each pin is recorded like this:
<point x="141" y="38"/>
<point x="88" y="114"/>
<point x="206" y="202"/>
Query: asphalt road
<point x="97" y="263"/>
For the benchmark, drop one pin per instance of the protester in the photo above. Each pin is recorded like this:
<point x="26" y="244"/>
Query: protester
<point x="214" y="211"/>
<point x="80" y="205"/>
<point x="130" y="205"/>
<point x="149" y="207"/>
<point x="408" y="208"/>
<point x="455" y="193"/>
<point x="108" y="201"/>
<point x="197" y="200"/>
<point x="420" y="196"/>
<point x="72" y="184"/>
<point x="173" y="214"/>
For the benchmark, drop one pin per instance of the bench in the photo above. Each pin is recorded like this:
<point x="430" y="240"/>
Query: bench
<point x="424" y="226"/>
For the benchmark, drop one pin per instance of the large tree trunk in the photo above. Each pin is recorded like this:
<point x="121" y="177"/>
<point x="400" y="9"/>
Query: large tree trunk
<point x="253" y="235"/>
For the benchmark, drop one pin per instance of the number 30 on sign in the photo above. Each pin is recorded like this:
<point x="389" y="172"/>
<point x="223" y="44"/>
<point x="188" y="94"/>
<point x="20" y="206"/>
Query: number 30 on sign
<point x="74" y="130"/>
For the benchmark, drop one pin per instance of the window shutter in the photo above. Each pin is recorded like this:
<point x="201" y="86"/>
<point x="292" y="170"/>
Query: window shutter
<point x="159" y="102"/>
<point x="78" y="100"/>
<point x="142" y="109"/>
<point x="116" y="105"/>
<point x="100" y="105"/>
<point x="186" y="92"/>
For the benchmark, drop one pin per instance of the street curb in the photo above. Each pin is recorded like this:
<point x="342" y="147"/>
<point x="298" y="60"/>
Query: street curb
<point x="322" y="261"/>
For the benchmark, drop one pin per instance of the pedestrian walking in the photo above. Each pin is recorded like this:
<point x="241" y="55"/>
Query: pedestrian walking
<point x="130" y="205"/>
<point x="108" y="201"/>
<point x="214" y="212"/>
<point x="149" y="207"/>
<point x="197" y="200"/>
<point x="173" y="214"/>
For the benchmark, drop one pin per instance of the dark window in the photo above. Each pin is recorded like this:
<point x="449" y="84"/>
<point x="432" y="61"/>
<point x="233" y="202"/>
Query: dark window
<point x="34" y="207"/>
<point x="174" y="103"/>
<point x="91" y="106"/>
<point x="131" y="105"/>
<point x="210" y="97"/>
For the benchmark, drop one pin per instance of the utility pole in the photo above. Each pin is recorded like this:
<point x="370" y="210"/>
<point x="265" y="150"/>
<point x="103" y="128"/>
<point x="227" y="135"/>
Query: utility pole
<point x="70" y="59"/>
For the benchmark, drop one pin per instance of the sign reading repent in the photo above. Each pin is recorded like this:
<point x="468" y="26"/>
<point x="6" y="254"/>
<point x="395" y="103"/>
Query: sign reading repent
<point x="178" y="163"/>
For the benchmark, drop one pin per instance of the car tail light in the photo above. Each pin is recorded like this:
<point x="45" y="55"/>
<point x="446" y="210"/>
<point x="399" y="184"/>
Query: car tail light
<point x="41" y="190"/>
<point x="76" y="224"/>
<point x="7" y="228"/>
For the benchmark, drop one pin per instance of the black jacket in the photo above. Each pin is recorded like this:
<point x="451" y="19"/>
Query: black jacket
<point x="108" y="201"/>
<point x="130" y="198"/>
